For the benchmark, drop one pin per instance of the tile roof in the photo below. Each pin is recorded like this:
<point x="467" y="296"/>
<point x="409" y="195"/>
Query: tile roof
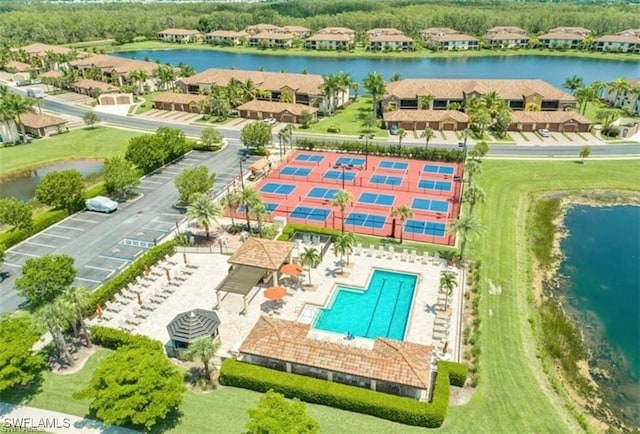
<point x="262" y="27"/>
<point x="179" y="32"/>
<point x="51" y="74"/>
<point x="453" y="37"/>
<point x="119" y="64"/>
<point x="276" y="107"/>
<point x="18" y="66"/>
<point x="576" y="30"/>
<point x="625" y="38"/>
<point x="384" y="31"/>
<point x="505" y="33"/>
<point x="506" y="29"/>
<point x="85" y="83"/>
<point x="630" y="32"/>
<point x="295" y="29"/>
<point x="36" y="120"/>
<point x="38" y="48"/>
<point x="339" y="37"/>
<point x="272" y="35"/>
<point x="334" y="30"/>
<point x="390" y="360"/>
<point x="390" y="38"/>
<point x="178" y="98"/>
<point x="439" y="31"/>
<point x="228" y="34"/>
<point x="555" y="117"/>
<point x="566" y="33"/>
<point x="262" y="253"/>
<point x="457" y="88"/>
<point x="425" y="115"/>
<point x="273" y="81"/>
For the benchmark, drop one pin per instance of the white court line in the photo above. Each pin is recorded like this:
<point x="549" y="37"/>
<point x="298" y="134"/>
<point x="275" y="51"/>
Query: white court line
<point x="69" y="227"/>
<point x="83" y="220"/>
<point x="24" y="254"/>
<point x="12" y="265"/>
<point x="40" y="244"/>
<point x="46" y="234"/>
<point x="88" y="280"/>
<point x="99" y="268"/>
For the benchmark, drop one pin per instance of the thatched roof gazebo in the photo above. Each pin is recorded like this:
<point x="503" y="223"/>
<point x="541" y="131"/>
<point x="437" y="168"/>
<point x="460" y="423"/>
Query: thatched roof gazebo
<point x="186" y="327"/>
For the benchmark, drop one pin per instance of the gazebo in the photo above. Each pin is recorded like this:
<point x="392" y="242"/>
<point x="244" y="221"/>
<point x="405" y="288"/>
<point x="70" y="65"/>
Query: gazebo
<point x="188" y="326"/>
<point x="253" y="259"/>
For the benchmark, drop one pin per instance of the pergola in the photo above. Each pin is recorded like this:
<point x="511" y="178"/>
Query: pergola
<point x="254" y="258"/>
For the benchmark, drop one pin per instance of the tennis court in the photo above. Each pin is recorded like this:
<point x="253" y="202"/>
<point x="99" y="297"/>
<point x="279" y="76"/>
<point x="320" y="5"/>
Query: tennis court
<point x="425" y="228"/>
<point x="295" y="171"/>
<point x="386" y="179"/>
<point x="339" y="174"/>
<point x="377" y="199"/>
<point x="393" y="165"/>
<point x="429" y="205"/>
<point x="277" y="188"/>
<point x="322" y="193"/>
<point x="366" y="220"/>
<point x="430" y="184"/>
<point x="308" y="213"/>
<point x="349" y="161"/>
<point x="310" y="158"/>
<point x="442" y="170"/>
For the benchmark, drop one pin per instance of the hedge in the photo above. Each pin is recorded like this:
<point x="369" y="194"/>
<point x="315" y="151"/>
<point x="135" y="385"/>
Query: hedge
<point x="292" y="228"/>
<point x="114" y="339"/>
<point x="457" y="372"/>
<point x="109" y="289"/>
<point x="40" y="223"/>
<point x="395" y="408"/>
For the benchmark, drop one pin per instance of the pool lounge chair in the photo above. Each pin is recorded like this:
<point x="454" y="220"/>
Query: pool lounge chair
<point x="405" y="254"/>
<point x="392" y="252"/>
<point x="380" y="251"/>
<point x="358" y="249"/>
<point x="372" y="249"/>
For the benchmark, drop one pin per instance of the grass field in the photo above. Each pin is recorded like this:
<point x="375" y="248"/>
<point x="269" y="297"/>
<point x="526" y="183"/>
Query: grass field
<point x="98" y="142"/>
<point x="347" y="120"/>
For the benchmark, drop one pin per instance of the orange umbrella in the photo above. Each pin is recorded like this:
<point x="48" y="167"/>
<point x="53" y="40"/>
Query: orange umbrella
<point x="99" y="311"/>
<point x="166" y="270"/>
<point x="291" y="269"/>
<point x="275" y="292"/>
<point x="139" y="297"/>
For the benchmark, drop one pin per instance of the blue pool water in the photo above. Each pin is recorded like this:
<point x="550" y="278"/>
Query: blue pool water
<point x="380" y="310"/>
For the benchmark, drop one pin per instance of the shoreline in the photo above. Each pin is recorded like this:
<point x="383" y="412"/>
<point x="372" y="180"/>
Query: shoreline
<point x="19" y="173"/>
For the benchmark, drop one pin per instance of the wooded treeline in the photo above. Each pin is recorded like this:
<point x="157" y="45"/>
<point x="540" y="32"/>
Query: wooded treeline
<point x="63" y="23"/>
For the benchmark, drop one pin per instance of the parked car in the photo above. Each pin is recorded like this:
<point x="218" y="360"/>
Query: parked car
<point x="269" y="121"/>
<point x="393" y="130"/>
<point x="35" y="92"/>
<point x="544" y="133"/>
<point x="101" y="204"/>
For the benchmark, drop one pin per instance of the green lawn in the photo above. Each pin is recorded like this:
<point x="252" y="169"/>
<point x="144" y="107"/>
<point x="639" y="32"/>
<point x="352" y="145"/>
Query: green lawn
<point x="148" y="102"/>
<point x="347" y="120"/>
<point x="98" y="142"/>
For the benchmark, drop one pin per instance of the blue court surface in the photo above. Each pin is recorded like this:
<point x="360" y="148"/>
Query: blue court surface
<point x="306" y="213"/>
<point x="443" y="170"/>
<point x="430" y="205"/>
<point x="295" y="171"/>
<point x="366" y="220"/>
<point x="346" y="161"/>
<point x="384" y="179"/>
<point x="311" y="158"/>
<point x="273" y="188"/>
<point x="425" y="228"/>
<point x="393" y="165"/>
<point x="322" y="193"/>
<point x="376" y="199"/>
<point x="337" y="174"/>
<point x="271" y="207"/>
<point x="430" y="184"/>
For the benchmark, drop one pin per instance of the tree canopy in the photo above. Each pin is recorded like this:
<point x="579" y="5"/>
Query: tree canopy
<point x="62" y="189"/>
<point x="256" y="135"/>
<point x="44" y="278"/>
<point x="151" y="151"/>
<point x="14" y="212"/>
<point x="18" y="364"/>
<point x="275" y="414"/>
<point x="119" y="176"/>
<point x="192" y="181"/>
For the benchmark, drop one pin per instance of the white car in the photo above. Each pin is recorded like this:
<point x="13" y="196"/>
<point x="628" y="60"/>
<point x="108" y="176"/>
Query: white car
<point x="101" y="204"/>
<point x="544" y="133"/>
<point x="269" y="121"/>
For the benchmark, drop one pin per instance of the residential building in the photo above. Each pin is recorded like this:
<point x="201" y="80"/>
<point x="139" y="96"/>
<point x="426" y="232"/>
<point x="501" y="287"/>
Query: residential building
<point x="260" y="28"/>
<point x="281" y="111"/>
<point x="390" y="42"/>
<point x="383" y="31"/>
<point x="338" y="30"/>
<point x="116" y="70"/>
<point x="296" y="31"/>
<point x="332" y="38"/>
<point x="409" y="120"/>
<point x="271" y="40"/>
<point x="557" y="121"/>
<point x="41" y="125"/>
<point x="180" y="36"/>
<point x="181" y="102"/>
<point x="626" y="41"/>
<point x="441" y="93"/>
<point x="628" y="99"/>
<point x="43" y="50"/>
<point x="92" y="88"/>
<point x="506" y="37"/>
<point x="226" y="37"/>
<point x="20" y="71"/>
<point x="445" y="38"/>
<point x="564" y="37"/>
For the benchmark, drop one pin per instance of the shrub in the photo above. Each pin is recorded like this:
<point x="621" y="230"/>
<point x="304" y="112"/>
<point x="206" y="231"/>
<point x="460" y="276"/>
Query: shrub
<point x="114" y="339"/>
<point x="291" y="228"/>
<point x="457" y="372"/>
<point x="40" y="223"/>
<point x="333" y="129"/>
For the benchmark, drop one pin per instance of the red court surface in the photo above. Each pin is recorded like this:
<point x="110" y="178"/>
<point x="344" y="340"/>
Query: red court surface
<point x="302" y="187"/>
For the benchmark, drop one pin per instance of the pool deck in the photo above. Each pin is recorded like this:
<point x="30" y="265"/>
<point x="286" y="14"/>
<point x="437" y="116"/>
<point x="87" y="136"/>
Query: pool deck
<point x="208" y="269"/>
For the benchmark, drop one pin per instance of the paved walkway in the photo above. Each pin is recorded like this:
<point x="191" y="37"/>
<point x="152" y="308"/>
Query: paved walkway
<point x="23" y="418"/>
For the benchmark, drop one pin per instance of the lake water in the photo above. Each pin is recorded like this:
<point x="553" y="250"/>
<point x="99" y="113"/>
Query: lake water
<point x="24" y="187"/>
<point x="548" y="68"/>
<point x="601" y="273"/>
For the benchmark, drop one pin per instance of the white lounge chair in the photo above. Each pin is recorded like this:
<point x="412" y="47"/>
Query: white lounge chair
<point x="372" y="249"/>
<point x="413" y="256"/>
<point x="380" y="251"/>
<point x="405" y="253"/>
<point x="358" y="249"/>
<point x="392" y="252"/>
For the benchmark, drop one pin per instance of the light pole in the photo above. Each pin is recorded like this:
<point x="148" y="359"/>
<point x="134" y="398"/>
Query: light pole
<point x="366" y="138"/>
<point x="343" y="167"/>
<point x="463" y="144"/>
<point x="241" y="174"/>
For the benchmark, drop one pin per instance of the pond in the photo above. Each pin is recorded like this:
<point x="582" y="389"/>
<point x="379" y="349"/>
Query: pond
<point x="24" y="186"/>
<point x="552" y="69"/>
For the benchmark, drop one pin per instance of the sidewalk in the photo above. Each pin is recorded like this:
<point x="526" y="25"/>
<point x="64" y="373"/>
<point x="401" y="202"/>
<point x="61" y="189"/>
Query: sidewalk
<point x="21" y="418"/>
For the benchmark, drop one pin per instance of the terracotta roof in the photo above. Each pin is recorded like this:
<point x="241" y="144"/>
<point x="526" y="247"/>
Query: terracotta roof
<point x="561" y="36"/>
<point x="634" y="81"/>
<point x="336" y="30"/>
<point x="559" y="117"/>
<point x="272" y="81"/>
<point x="51" y="74"/>
<point x="257" y="28"/>
<point x="452" y="37"/>
<point x="384" y="31"/>
<point x="456" y="89"/>
<point x="630" y="32"/>
<point x="39" y="49"/>
<point x="85" y="83"/>
<point x="506" y="29"/>
<point x="179" y="32"/>
<point x="228" y="34"/>
<point x="262" y="253"/>
<point x="425" y="115"/>
<point x="575" y="30"/>
<point x="435" y="31"/>
<point x="505" y="33"/>
<point x="393" y="361"/>
<point x="36" y="120"/>
<point x="18" y="66"/>
<point x="390" y="38"/>
<point x="339" y="37"/>
<point x="629" y="38"/>
<point x="119" y="64"/>
<point x="178" y="98"/>
<point x="276" y="107"/>
<point x="272" y="35"/>
<point x="259" y="165"/>
<point x="295" y="29"/>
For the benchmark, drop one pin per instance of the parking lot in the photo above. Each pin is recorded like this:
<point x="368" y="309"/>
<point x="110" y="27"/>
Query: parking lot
<point x="555" y="138"/>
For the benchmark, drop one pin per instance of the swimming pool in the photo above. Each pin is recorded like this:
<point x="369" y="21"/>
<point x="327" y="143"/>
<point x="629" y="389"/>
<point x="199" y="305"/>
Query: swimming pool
<point x="380" y="310"/>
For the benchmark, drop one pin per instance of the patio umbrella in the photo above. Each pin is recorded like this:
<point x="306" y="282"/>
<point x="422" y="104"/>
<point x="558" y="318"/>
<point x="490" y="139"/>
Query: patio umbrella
<point x="99" y="311"/>
<point x="146" y="271"/>
<point x="166" y="270"/>
<point x="184" y="258"/>
<point x="275" y="292"/>
<point x="445" y="347"/>
<point x="291" y="269"/>
<point x="139" y="297"/>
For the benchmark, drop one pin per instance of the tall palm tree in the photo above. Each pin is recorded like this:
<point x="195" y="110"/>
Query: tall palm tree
<point x="345" y="81"/>
<point x="309" y="258"/>
<point x="427" y="135"/>
<point x="258" y="211"/>
<point x="231" y="201"/>
<point x="248" y="197"/>
<point x="466" y="227"/>
<point x="401" y="133"/>
<point x="403" y="212"/>
<point x="203" y="349"/>
<point x="619" y="85"/>
<point x="472" y="168"/>
<point x="330" y="86"/>
<point x="375" y="85"/>
<point x="249" y="90"/>
<point x="355" y="87"/>
<point x="473" y="195"/>
<point x="573" y="83"/>
<point x="343" y="246"/>
<point x="51" y="316"/>
<point x="77" y="300"/>
<point x="342" y="199"/>
<point x="447" y="283"/>
<point x="203" y="209"/>
<point x="19" y="105"/>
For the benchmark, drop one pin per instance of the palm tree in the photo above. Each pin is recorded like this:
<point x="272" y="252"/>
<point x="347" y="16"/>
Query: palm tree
<point x="249" y="90"/>
<point x="258" y="211"/>
<point x="401" y="133"/>
<point x="466" y="227"/>
<point x="355" y="87"/>
<point x="330" y="86"/>
<point x="51" y="316"/>
<point x="396" y="76"/>
<point x="473" y="195"/>
<point x="573" y="83"/>
<point x="424" y="101"/>
<point x="231" y="201"/>
<point x="343" y="246"/>
<point x="375" y="85"/>
<point x="18" y="105"/>
<point x="403" y="212"/>
<point x="618" y="85"/>
<point x="309" y="258"/>
<point x="345" y="82"/>
<point x="77" y="300"/>
<point x="203" y="209"/>
<point x="447" y="283"/>
<point x="248" y="197"/>
<point x="342" y="199"/>
<point x="427" y="135"/>
<point x="472" y="168"/>
<point x="203" y="349"/>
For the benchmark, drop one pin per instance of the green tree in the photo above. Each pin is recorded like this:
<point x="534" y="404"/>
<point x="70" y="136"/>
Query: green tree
<point x="275" y="414"/>
<point x="369" y="122"/>
<point x="76" y="300"/>
<point x="119" y="176"/>
<point x="573" y="83"/>
<point x="343" y="246"/>
<point x="248" y="198"/>
<point x="19" y="365"/>
<point x="14" y="212"/>
<point x="44" y="278"/>
<point x="52" y="316"/>
<point x="305" y="119"/>
<point x="258" y="211"/>
<point x="403" y="212"/>
<point x="17" y="106"/>
<point x="480" y="149"/>
<point x="256" y="135"/>
<point x="585" y="151"/>
<point x="62" y="189"/>
<point x="473" y="195"/>
<point x="427" y="135"/>
<point x="466" y="227"/>
<point x="471" y="169"/>
<point x="203" y="209"/>
<point x="193" y="181"/>
<point x="90" y="119"/>
<point x="447" y="284"/>
<point x="144" y="152"/>
<point x="309" y="258"/>
<point x="342" y="199"/>
<point x="203" y="349"/>
<point x="619" y="85"/>
<point x="210" y="137"/>
<point x="173" y="141"/>
<point x="134" y="386"/>
<point x="230" y="201"/>
<point x="401" y="133"/>
<point x="375" y="85"/>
